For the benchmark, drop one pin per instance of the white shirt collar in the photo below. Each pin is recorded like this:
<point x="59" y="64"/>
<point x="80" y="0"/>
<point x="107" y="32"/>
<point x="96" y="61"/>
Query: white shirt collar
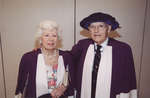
<point x="105" y="43"/>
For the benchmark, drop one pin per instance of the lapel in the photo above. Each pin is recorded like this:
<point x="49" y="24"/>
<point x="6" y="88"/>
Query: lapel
<point x="32" y="72"/>
<point x="115" y="81"/>
<point x="34" y="62"/>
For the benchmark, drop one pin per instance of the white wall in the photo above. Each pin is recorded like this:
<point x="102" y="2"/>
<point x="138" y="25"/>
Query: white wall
<point x="130" y="14"/>
<point x="145" y="67"/>
<point x="21" y="18"/>
<point x="2" y="90"/>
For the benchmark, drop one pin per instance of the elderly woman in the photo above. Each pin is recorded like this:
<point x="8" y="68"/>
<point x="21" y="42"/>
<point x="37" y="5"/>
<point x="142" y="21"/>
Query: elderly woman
<point x="44" y="73"/>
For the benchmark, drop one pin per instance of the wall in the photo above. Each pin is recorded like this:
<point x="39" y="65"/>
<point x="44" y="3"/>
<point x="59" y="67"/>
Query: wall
<point x="130" y="14"/>
<point x="20" y="21"/>
<point x="145" y="64"/>
<point x="2" y="86"/>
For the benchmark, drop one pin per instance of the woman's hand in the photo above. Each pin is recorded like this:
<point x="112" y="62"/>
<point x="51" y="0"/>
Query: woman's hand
<point x="59" y="91"/>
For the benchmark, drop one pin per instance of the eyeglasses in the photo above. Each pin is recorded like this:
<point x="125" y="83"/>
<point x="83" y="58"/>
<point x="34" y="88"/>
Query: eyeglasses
<point x="98" y="27"/>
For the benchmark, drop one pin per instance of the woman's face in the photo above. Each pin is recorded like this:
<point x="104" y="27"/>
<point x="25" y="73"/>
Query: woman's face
<point x="49" y="39"/>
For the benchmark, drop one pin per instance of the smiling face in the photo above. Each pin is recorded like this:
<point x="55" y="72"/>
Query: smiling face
<point x="99" y="31"/>
<point x="49" y="39"/>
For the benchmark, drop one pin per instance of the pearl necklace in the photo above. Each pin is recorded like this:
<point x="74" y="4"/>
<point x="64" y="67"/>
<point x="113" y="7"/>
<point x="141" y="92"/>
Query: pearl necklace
<point x="51" y="59"/>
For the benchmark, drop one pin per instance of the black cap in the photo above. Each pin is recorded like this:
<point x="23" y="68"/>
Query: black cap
<point x="99" y="17"/>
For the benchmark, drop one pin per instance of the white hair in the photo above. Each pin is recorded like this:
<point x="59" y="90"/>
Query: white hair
<point x="47" y="25"/>
<point x="43" y="26"/>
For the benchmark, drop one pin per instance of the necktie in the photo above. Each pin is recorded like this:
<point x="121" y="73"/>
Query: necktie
<point x="95" y="70"/>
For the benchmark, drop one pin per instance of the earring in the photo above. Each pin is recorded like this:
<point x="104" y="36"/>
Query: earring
<point x="40" y="41"/>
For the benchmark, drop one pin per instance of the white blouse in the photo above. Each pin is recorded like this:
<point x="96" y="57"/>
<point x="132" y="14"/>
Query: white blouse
<point x="44" y="72"/>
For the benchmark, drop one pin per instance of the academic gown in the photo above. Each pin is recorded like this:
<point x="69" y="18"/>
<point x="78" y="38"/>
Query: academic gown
<point x="123" y="78"/>
<point x="27" y="74"/>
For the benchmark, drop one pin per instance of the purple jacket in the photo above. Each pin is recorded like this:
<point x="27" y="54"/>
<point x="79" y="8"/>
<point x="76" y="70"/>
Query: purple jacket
<point x="27" y="72"/>
<point x="123" y="73"/>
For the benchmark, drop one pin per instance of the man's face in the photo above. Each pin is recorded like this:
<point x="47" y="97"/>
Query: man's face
<point x="99" y="31"/>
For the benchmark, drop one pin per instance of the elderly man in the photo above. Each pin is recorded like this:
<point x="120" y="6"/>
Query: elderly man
<point x="104" y="66"/>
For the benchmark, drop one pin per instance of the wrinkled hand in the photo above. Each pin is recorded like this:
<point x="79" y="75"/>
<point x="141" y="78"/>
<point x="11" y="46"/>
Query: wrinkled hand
<point x="18" y="96"/>
<point x="56" y="93"/>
